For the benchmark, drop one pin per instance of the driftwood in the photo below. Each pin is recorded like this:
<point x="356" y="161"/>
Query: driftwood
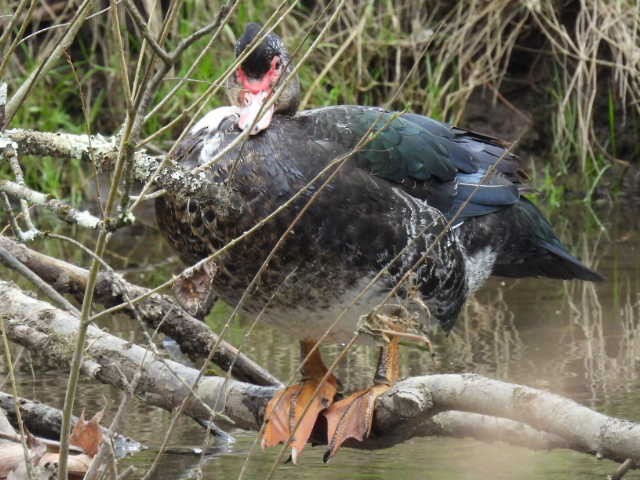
<point x="454" y="405"/>
<point x="44" y="421"/>
<point x="446" y="404"/>
<point x="158" y="311"/>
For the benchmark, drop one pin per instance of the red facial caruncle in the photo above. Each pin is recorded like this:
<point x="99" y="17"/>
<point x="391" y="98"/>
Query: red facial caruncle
<point x="254" y="93"/>
<point x="267" y="81"/>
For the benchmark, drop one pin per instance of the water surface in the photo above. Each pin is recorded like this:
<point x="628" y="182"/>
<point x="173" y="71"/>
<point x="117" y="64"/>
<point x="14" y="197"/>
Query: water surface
<point x="576" y="339"/>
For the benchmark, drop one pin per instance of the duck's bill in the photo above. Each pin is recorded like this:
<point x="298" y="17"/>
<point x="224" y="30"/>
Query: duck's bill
<point x="253" y="103"/>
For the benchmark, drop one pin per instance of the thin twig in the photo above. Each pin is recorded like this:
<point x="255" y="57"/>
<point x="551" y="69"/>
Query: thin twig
<point x="10" y="261"/>
<point x="220" y="23"/>
<point x="15" y="18"/>
<point x="64" y="211"/>
<point x="14" y="389"/>
<point x="9" y="52"/>
<point x="51" y="58"/>
<point x="622" y="470"/>
<point x="13" y="221"/>
<point x="354" y="32"/>
<point x="139" y="21"/>
<point x="3" y="103"/>
<point x="10" y="153"/>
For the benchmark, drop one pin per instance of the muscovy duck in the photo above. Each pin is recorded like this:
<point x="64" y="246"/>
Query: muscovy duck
<point x="437" y="208"/>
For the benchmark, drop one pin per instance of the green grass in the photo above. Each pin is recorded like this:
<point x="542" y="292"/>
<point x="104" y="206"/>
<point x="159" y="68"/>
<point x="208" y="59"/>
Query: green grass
<point x="456" y="59"/>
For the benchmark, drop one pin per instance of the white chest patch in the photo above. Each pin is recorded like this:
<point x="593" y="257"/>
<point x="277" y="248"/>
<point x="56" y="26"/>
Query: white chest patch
<point x="478" y="267"/>
<point x="212" y="120"/>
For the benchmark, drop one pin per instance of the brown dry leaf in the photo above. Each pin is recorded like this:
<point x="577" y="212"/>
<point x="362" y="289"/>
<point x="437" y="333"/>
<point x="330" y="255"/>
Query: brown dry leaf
<point x="87" y="435"/>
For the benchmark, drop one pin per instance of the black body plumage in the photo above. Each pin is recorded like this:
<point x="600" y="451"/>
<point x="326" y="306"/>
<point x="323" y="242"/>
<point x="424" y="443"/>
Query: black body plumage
<point x="393" y="198"/>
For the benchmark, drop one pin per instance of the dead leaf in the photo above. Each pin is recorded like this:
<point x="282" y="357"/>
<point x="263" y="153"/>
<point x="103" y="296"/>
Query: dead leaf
<point x="87" y="435"/>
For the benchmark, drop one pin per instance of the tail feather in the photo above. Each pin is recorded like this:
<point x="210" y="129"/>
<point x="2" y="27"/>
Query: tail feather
<point x="537" y="251"/>
<point x="551" y="262"/>
<point x="567" y="264"/>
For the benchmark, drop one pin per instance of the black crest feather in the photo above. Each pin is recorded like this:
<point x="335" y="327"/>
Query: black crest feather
<point x="259" y="62"/>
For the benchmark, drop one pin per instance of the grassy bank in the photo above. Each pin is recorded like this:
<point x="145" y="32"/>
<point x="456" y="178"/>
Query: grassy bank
<point x="563" y="76"/>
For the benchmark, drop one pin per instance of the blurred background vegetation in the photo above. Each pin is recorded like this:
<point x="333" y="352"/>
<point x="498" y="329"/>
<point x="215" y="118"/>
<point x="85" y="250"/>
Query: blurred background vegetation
<point x="562" y="77"/>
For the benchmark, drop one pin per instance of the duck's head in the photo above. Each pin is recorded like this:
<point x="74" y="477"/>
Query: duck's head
<point x="256" y="79"/>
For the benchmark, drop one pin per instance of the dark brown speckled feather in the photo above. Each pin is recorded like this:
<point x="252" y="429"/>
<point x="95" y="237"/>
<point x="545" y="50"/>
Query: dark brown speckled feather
<point x="357" y="224"/>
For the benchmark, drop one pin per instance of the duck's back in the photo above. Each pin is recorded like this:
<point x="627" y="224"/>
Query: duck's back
<point x="351" y="223"/>
<point x="364" y="189"/>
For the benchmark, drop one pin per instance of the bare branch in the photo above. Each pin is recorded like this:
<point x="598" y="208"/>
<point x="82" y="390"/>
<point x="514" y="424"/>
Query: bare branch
<point x="61" y="209"/>
<point x="52" y="57"/>
<point x="8" y="52"/>
<point x="3" y="103"/>
<point x="8" y="150"/>
<point x="112" y="360"/>
<point x="139" y="21"/>
<point x="15" y="18"/>
<point x="159" y="311"/>
<point x="103" y="150"/>
<point x="223" y="14"/>
<point x="585" y="430"/>
<point x="63" y="145"/>
<point x="220" y="21"/>
<point x="10" y="261"/>
<point x="413" y="407"/>
<point x="487" y="428"/>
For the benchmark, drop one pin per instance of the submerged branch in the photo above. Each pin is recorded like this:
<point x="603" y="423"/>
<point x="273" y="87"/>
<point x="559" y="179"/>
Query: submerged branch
<point x="446" y="404"/>
<point x="44" y="420"/>
<point x="158" y="311"/>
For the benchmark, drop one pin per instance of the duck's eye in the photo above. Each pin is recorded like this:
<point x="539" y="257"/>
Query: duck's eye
<point x="276" y="64"/>
<point x="246" y="99"/>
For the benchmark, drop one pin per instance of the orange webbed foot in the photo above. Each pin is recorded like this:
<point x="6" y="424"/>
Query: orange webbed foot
<point x="351" y="417"/>
<point x="286" y="419"/>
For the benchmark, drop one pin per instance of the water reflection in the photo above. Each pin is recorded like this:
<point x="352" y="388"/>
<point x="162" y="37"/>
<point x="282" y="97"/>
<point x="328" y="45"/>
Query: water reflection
<point x="578" y="339"/>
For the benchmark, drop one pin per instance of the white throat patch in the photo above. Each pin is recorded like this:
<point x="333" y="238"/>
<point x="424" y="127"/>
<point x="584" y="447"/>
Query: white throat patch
<point x="212" y="120"/>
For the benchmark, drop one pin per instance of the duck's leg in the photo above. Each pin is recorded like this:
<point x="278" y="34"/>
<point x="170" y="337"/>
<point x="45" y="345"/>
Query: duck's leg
<point x="352" y="417"/>
<point x="287" y="408"/>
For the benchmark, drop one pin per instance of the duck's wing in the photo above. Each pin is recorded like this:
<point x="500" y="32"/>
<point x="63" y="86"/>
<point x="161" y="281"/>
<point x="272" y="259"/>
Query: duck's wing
<point x="452" y="169"/>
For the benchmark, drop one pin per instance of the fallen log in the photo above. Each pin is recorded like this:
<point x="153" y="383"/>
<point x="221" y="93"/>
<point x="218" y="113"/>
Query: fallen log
<point x="445" y="404"/>
<point x="44" y="421"/>
<point x="158" y="311"/>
